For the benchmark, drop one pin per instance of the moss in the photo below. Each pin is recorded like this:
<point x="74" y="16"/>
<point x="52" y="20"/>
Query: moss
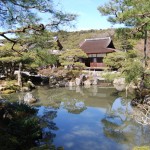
<point x="13" y="87"/>
<point x="9" y="87"/>
<point x="8" y="91"/>
<point x="141" y="148"/>
<point x="72" y="74"/>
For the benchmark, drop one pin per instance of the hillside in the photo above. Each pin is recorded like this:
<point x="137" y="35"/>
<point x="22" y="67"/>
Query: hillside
<point x="140" y="46"/>
<point x="71" y="40"/>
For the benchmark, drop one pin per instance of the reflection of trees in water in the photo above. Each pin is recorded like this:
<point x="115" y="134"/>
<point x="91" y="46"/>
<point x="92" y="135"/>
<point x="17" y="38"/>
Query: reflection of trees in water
<point x="74" y="106"/>
<point x="119" y="126"/>
<point x="146" y="134"/>
<point x="111" y="130"/>
<point x="48" y="126"/>
<point x="61" y="97"/>
<point x="55" y="97"/>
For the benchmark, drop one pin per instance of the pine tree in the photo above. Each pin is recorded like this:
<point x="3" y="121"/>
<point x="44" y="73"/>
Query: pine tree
<point x="131" y="13"/>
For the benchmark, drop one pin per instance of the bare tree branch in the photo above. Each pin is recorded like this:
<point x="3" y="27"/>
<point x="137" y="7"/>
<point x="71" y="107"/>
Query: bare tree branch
<point x="142" y="114"/>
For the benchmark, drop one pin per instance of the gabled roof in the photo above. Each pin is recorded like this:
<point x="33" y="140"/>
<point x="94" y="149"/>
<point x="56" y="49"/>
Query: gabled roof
<point x="97" y="45"/>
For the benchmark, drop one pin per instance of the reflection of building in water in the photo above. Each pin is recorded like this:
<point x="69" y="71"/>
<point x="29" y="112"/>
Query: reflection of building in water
<point x="99" y="97"/>
<point x="94" y="90"/>
<point x="72" y="88"/>
<point x="79" y="90"/>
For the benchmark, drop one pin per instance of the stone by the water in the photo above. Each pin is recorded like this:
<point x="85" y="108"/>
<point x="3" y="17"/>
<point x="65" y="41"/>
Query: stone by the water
<point x="29" y="98"/>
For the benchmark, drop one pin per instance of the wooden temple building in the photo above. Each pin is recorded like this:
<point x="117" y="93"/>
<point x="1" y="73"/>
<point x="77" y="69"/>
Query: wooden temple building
<point x="96" y="49"/>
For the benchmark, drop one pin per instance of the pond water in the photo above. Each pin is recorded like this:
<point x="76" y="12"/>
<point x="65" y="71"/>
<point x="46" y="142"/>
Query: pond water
<point x="92" y="118"/>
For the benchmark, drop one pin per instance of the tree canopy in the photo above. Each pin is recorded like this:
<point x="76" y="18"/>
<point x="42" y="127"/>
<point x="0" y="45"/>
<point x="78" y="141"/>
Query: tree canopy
<point x="131" y="13"/>
<point x="71" y="58"/>
<point x="33" y="38"/>
<point x="128" y="63"/>
<point x="23" y="15"/>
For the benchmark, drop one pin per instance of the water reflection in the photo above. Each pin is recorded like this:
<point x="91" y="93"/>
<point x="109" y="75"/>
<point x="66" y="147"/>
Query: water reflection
<point x="79" y="118"/>
<point x="47" y="116"/>
<point x="121" y="128"/>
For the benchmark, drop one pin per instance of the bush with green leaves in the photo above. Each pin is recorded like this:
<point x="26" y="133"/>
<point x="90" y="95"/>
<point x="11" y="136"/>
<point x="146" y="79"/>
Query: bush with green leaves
<point x="132" y="70"/>
<point x="72" y="74"/>
<point x="71" y="57"/>
<point x="110" y="76"/>
<point x="115" y="60"/>
<point x="128" y="63"/>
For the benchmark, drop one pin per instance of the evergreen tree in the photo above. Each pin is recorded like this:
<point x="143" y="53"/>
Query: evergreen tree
<point x="33" y="37"/>
<point x="132" y="13"/>
<point x="71" y="58"/>
<point x="19" y="16"/>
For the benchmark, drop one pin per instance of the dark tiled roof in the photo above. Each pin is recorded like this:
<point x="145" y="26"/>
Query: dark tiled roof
<point x="97" y="45"/>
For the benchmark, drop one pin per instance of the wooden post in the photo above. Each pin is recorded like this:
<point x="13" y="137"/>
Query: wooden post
<point x="126" y="91"/>
<point x="19" y="75"/>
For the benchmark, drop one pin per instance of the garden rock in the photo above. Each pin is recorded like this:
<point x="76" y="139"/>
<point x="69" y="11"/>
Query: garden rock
<point x="29" y="98"/>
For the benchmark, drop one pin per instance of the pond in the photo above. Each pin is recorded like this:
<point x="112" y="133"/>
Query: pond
<point x="92" y="118"/>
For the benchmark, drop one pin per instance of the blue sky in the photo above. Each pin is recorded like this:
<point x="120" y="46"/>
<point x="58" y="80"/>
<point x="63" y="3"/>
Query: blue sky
<point x="89" y="17"/>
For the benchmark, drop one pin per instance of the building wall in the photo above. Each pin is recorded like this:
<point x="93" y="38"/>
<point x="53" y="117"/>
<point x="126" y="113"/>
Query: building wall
<point x="93" y="61"/>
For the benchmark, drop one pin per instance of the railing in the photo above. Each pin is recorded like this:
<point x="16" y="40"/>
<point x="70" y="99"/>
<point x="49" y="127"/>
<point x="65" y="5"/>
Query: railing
<point x="94" y="64"/>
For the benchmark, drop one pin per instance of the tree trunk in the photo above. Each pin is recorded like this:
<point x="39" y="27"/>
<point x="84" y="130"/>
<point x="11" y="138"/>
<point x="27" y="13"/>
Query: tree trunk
<point x="145" y="47"/>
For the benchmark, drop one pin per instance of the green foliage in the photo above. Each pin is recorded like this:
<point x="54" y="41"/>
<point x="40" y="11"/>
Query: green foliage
<point x="42" y="39"/>
<point x="115" y="60"/>
<point x="129" y="64"/>
<point x="28" y="12"/>
<point x="73" y="74"/>
<point x="7" y="55"/>
<point x="7" y="91"/>
<point x="12" y="85"/>
<point x="123" y="35"/>
<point x="147" y="81"/>
<point x="44" y="58"/>
<point x="19" y="128"/>
<point x="133" y="54"/>
<point x="147" y="78"/>
<point x="141" y="148"/>
<point x="131" y="13"/>
<point x="70" y="58"/>
<point x="110" y="76"/>
<point x="125" y="39"/>
<point x="72" y="40"/>
<point x="38" y="48"/>
<point x="33" y="53"/>
<point x="10" y="59"/>
<point x="132" y="70"/>
<point x="23" y="20"/>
